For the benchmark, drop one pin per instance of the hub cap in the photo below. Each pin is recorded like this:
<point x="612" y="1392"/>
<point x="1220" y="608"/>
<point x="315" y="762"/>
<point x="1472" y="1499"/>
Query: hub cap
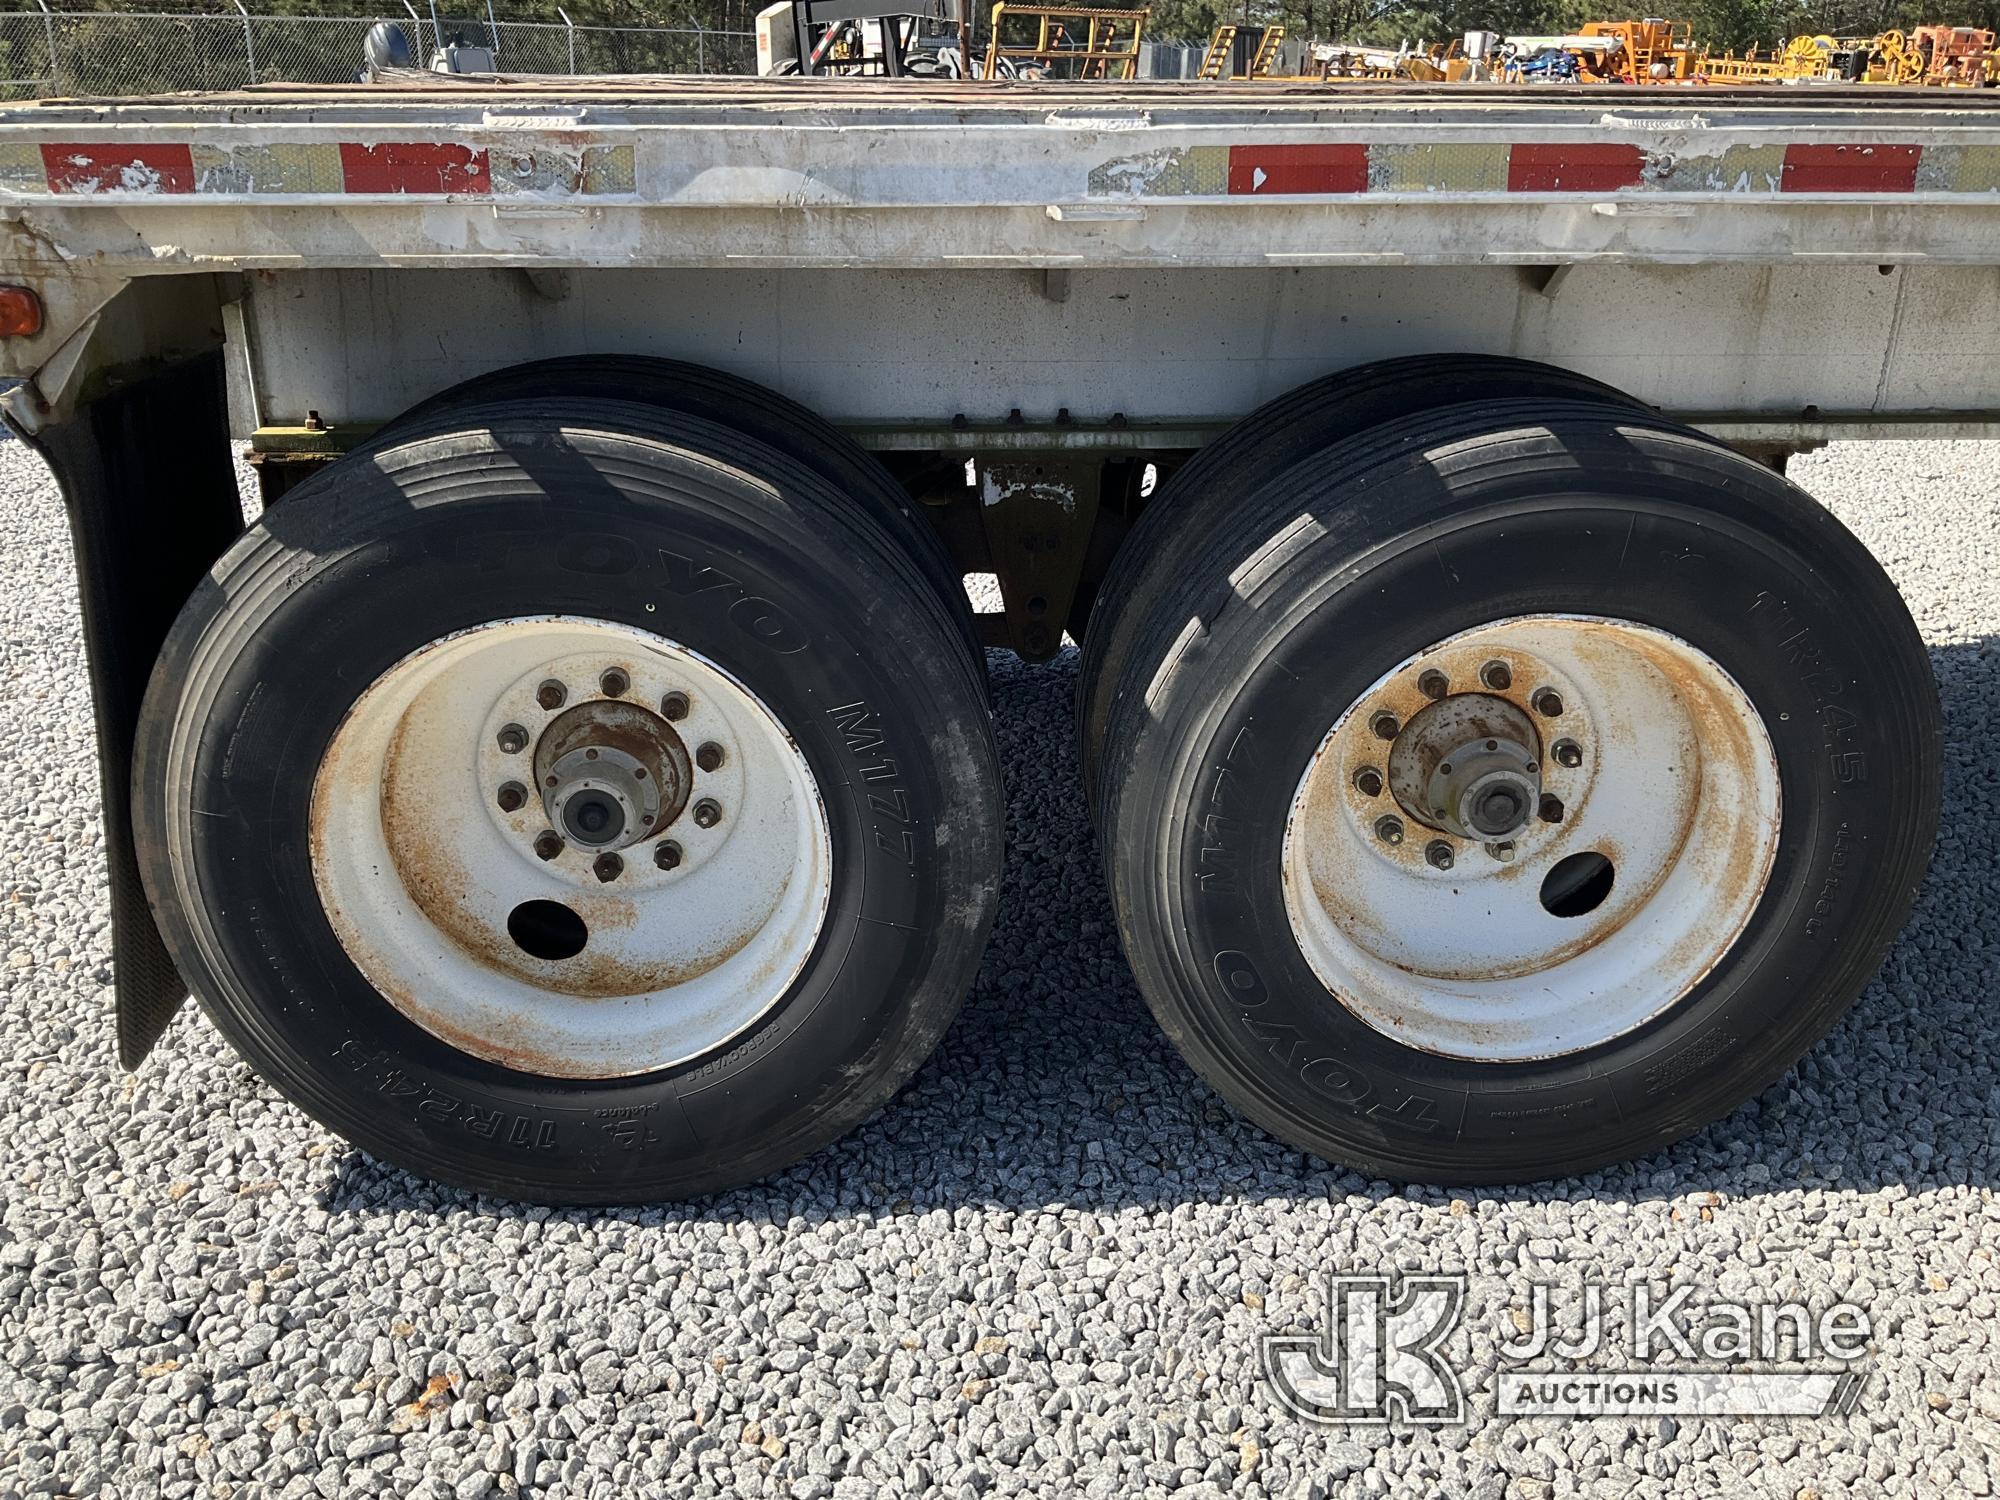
<point x="570" y="847"/>
<point x="1532" y="837"/>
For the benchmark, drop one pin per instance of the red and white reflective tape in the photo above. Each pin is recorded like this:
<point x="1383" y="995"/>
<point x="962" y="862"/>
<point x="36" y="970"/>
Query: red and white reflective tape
<point x="558" y="166"/>
<point x="1713" y="165"/>
<point x="393" y="167"/>
<point x="1562" y="167"/>
<point x="1298" y="169"/>
<point x="380" y="169"/>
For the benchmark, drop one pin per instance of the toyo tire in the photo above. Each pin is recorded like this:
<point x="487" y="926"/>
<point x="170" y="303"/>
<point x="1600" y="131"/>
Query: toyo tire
<point x="1766" y="695"/>
<point x="671" y="569"/>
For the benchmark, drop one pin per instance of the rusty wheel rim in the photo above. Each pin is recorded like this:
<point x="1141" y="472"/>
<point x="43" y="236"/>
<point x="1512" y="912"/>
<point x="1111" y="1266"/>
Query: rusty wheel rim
<point x="1649" y="798"/>
<point x="570" y="847"/>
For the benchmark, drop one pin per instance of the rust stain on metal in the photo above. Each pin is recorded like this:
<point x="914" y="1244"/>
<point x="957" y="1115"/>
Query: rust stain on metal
<point x="385" y="804"/>
<point x="1715" y="761"/>
<point x="620" y="724"/>
<point x="500" y="1044"/>
<point x="1470" y="706"/>
<point x="1728" y="754"/>
<point x="510" y="1040"/>
<point x="434" y="873"/>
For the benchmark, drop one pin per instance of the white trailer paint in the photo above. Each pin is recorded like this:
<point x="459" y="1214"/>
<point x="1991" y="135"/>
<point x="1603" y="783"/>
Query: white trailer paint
<point x="1195" y="346"/>
<point x="1779" y="261"/>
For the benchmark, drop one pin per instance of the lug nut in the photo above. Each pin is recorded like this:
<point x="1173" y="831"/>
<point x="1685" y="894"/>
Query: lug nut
<point x="1502" y="851"/>
<point x="513" y="797"/>
<point x="1567" y="753"/>
<point x="1433" y="684"/>
<point x="551" y="694"/>
<point x="1551" y="808"/>
<point x="513" y="739"/>
<point x="608" y="867"/>
<point x="707" y="813"/>
<point x="1548" y="703"/>
<point x="667" y="855"/>
<point x="548" y="843"/>
<point x="709" y="757"/>
<point x="1385" y="725"/>
<point x="1389" y="830"/>
<point x="1437" y="854"/>
<point x="614" y="683"/>
<point x="1368" y="781"/>
<point x="1497" y="675"/>
<point x="674" y="706"/>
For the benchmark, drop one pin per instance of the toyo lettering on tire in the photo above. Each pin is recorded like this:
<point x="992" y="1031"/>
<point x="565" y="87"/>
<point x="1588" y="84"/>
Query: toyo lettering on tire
<point x="585" y="803"/>
<point x="1514" y="788"/>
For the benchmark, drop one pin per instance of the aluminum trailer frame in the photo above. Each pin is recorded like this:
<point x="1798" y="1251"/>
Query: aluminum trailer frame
<point x="1597" y="193"/>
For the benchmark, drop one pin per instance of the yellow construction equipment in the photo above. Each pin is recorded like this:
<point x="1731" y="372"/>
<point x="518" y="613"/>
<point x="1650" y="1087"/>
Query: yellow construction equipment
<point x="1108" y="46"/>
<point x="1803" y="57"/>
<point x="1899" y="62"/>
<point x="1267" y="51"/>
<point x="1934" y="56"/>
<point x="1216" y="63"/>
<point x="1656" y="51"/>
<point x="1466" y="59"/>
<point x="1220" y="59"/>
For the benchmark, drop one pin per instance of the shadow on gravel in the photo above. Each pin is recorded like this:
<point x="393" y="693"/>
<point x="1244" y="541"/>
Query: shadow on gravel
<point x="1055" y="1088"/>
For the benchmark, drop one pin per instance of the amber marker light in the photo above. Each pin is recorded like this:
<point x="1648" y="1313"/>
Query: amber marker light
<point x="20" y="313"/>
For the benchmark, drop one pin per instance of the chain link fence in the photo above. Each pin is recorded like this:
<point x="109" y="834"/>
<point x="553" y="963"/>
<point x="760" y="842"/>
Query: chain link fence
<point x="70" y="53"/>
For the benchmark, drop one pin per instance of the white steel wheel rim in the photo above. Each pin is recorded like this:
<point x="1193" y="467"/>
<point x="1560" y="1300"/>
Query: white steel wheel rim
<point x="1676" y="786"/>
<point x="419" y="867"/>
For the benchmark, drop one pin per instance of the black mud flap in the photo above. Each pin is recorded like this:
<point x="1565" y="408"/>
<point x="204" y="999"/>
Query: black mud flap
<point x="151" y="493"/>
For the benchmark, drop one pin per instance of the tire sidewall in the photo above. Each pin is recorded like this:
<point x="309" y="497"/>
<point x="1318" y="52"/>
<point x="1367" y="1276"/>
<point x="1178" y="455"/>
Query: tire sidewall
<point x="1248" y="705"/>
<point x="857" y="688"/>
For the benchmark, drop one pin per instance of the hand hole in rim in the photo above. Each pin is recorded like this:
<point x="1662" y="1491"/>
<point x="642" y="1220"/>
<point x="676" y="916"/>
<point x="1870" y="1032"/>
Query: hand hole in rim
<point x="1577" y="884"/>
<point x="547" y="930"/>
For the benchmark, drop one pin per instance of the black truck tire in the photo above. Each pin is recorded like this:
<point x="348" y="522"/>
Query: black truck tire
<point x="576" y="1045"/>
<point x="1732" y="664"/>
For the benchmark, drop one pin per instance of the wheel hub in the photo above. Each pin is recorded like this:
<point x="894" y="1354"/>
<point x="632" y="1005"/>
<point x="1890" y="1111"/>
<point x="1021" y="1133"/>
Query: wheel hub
<point x="612" y="774"/>
<point x="1469" y="765"/>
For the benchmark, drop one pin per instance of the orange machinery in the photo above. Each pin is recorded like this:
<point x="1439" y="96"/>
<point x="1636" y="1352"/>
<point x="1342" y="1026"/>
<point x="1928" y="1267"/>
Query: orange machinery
<point x="1945" y="56"/>
<point x="1645" y="51"/>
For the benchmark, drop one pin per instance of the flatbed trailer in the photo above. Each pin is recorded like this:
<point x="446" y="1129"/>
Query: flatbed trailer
<point x="578" y="782"/>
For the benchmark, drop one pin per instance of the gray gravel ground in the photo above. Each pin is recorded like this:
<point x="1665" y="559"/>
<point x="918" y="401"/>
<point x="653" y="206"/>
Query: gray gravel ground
<point x="1042" y="1270"/>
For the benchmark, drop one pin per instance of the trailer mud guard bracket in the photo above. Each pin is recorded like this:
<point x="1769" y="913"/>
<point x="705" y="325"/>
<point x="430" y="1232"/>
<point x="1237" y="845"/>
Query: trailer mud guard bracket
<point x="143" y="463"/>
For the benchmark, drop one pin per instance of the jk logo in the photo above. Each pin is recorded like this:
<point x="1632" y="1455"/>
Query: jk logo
<point x="1380" y="1356"/>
